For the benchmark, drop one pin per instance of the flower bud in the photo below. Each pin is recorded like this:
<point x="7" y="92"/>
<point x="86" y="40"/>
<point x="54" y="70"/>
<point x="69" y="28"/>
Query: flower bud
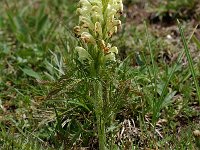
<point x="86" y="23"/>
<point x="87" y="38"/>
<point x="77" y="31"/>
<point x="82" y="11"/>
<point x="117" y="23"/>
<point x="112" y="31"/>
<point x="96" y="3"/>
<point x="111" y="14"/>
<point x="102" y="44"/>
<point x="119" y="6"/>
<point x="106" y="48"/>
<point x="110" y="57"/>
<point x="114" y="49"/>
<point x="96" y="17"/>
<point x="83" y="3"/>
<point x="98" y="29"/>
<point x="96" y="9"/>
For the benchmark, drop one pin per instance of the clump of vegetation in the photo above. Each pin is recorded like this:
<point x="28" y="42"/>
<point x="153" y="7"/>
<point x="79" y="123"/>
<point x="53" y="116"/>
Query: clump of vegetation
<point x="96" y="82"/>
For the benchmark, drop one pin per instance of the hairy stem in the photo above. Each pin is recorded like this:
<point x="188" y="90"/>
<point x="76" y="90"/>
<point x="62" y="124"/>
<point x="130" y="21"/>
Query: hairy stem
<point x="99" y="115"/>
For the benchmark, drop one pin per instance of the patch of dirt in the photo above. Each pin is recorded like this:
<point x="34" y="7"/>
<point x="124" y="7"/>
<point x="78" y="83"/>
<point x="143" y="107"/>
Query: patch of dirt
<point x="166" y="29"/>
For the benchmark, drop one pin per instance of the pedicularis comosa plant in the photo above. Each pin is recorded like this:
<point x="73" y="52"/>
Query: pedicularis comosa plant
<point x="98" y="22"/>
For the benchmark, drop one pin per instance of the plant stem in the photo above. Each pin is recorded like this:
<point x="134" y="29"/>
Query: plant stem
<point x="101" y="133"/>
<point x="99" y="115"/>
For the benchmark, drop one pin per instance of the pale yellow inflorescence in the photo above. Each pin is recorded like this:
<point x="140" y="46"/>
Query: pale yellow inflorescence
<point x="97" y="24"/>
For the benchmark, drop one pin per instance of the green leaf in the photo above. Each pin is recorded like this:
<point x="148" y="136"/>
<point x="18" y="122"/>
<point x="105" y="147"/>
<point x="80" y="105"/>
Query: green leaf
<point x="77" y="102"/>
<point x="83" y="54"/>
<point x="168" y="99"/>
<point x="190" y="60"/>
<point x="31" y="73"/>
<point x="41" y="23"/>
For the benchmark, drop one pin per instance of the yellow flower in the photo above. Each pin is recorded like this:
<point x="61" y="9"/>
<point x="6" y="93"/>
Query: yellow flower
<point x="98" y="21"/>
<point x="98" y="30"/>
<point x="113" y="49"/>
<point x="87" y="38"/>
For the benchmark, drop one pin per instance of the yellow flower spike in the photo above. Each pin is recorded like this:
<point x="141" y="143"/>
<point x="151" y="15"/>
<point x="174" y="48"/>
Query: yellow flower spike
<point x="98" y="21"/>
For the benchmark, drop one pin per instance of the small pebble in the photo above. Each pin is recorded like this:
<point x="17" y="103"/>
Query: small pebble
<point x="196" y="133"/>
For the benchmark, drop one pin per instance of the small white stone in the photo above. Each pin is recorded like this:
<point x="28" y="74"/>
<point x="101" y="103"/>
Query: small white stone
<point x="169" y="37"/>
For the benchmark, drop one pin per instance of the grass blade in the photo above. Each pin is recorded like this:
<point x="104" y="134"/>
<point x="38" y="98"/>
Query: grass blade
<point x="189" y="58"/>
<point x="153" y="78"/>
<point x="174" y="68"/>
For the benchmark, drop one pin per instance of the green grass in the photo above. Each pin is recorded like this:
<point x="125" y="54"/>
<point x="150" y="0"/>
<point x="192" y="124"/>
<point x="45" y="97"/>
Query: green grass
<point x="46" y="93"/>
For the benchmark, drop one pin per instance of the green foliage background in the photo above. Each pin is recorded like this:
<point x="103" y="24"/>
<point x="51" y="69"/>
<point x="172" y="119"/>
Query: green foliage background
<point x="43" y="94"/>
